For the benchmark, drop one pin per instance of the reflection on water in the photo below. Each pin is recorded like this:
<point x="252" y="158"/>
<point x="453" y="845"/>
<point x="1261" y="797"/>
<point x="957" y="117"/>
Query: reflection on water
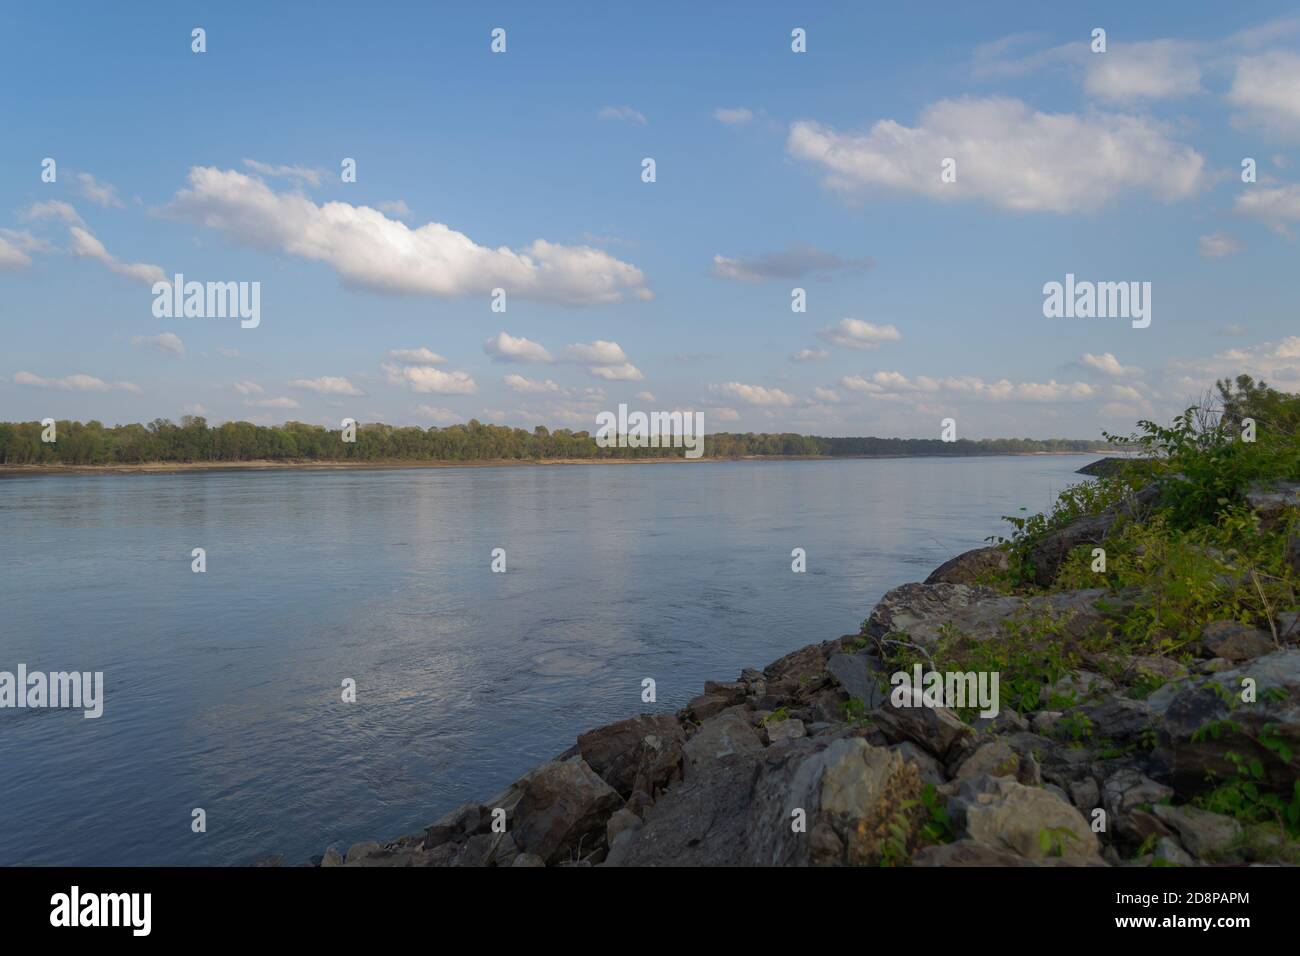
<point x="222" y="690"/>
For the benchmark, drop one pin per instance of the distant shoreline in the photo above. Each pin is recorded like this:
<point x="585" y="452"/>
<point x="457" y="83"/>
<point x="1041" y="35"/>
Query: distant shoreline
<point x="176" y="467"/>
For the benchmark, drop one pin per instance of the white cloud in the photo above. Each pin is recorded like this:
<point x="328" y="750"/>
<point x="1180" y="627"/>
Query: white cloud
<point x="826" y="394"/>
<point x="369" y="250"/>
<point x="227" y="352"/>
<point x="443" y="416"/>
<point x="1153" y="70"/>
<point x="519" y="383"/>
<point x="1275" y="206"/>
<point x="102" y="194"/>
<point x="248" y="388"/>
<point x="627" y="372"/>
<point x="856" y="383"/>
<point x="283" y="402"/>
<point x="74" y="383"/>
<point x="625" y="113"/>
<point x="1107" y="364"/>
<point x="724" y="414"/>
<point x="809" y="355"/>
<point x="301" y="174"/>
<point x="1007" y="154"/>
<point x="1267" y="89"/>
<point x="327" y="385"/>
<point x="737" y="116"/>
<point x="644" y="396"/>
<point x="429" y="380"/>
<point x="420" y="356"/>
<point x="754" y="394"/>
<point x="599" y="352"/>
<point x="53" y="209"/>
<point x="12" y="256"/>
<point x="508" y="348"/>
<point x="856" y="334"/>
<point x="1216" y="245"/>
<point x="168" y="342"/>
<point x="86" y="245"/>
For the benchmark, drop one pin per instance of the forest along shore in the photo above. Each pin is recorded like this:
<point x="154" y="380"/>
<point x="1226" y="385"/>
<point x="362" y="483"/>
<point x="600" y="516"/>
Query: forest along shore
<point x="166" y="467"/>
<point x="1114" y="740"/>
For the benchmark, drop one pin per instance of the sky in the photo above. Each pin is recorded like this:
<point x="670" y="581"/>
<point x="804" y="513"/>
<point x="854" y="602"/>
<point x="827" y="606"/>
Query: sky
<point x="524" y="171"/>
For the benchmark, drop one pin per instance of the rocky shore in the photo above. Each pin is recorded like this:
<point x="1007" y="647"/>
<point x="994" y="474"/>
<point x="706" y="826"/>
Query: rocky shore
<point x="812" y="760"/>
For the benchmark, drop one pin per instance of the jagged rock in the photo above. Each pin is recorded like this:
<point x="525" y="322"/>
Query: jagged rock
<point x="1048" y="554"/>
<point x="967" y="853"/>
<point x="847" y="786"/>
<point x="1075" y="687"/>
<point x="935" y="729"/>
<point x="1030" y="821"/>
<point x="969" y="567"/>
<point x="734" y="691"/>
<point x="331" y="858"/>
<point x="1235" y="642"/>
<point x="528" y="859"/>
<point x="1128" y="789"/>
<point x="1288" y="622"/>
<point x="929" y="769"/>
<point x="923" y="612"/>
<point x="707" y="705"/>
<point x="699" y="822"/>
<point x="563" y="810"/>
<point x="1044" y="721"/>
<point x="1085" y="795"/>
<point x="621" y="820"/>
<point x="856" y="675"/>
<point x="486" y="849"/>
<point x="361" y="851"/>
<point x="720" y="737"/>
<point x="1270" y="500"/>
<point x="1170" y="851"/>
<point x="1105" y="467"/>
<point x="1007" y="721"/>
<point x="994" y="758"/>
<point x="640" y="753"/>
<point x="465" y="820"/>
<point x="1201" y="761"/>
<point x="778" y="731"/>
<point x="1206" y="835"/>
<point x="798" y="666"/>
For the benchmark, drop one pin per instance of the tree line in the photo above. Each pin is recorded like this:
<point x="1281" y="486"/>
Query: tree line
<point x="194" y="440"/>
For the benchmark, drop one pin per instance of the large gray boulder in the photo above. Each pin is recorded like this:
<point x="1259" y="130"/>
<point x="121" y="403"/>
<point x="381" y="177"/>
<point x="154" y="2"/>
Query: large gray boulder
<point x="563" y="811"/>
<point x="970" y="567"/>
<point x="641" y="753"/>
<point x="1209" y="727"/>
<point x="1032" y="822"/>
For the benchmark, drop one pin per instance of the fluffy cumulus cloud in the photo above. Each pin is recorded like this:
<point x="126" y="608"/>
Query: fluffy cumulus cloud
<point x="1107" y="364"/>
<point x="327" y="385"/>
<point x="101" y="194"/>
<point x="809" y="355"/>
<point x="1275" y="206"/>
<point x="420" y="356"/>
<point x="168" y="343"/>
<point x="1007" y="154"/>
<point x="504" y="347"/>
<point x="857" y="334"/>
<point x="895" y="386"/>
<point x="530" y="386"/>
<point x="86" y="245"/>
<point x="754" y="394"/>
<point x="1266" y="88"/>
<point x="793" y="263"/>
<point x="73" y="383"/>
<point x="429" y="380"/>
<point x="369" y="250"/>
<point x="1152" y="70"/>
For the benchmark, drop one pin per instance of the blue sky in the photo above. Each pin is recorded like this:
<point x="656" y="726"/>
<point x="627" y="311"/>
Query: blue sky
<point x="522" y="170"/>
